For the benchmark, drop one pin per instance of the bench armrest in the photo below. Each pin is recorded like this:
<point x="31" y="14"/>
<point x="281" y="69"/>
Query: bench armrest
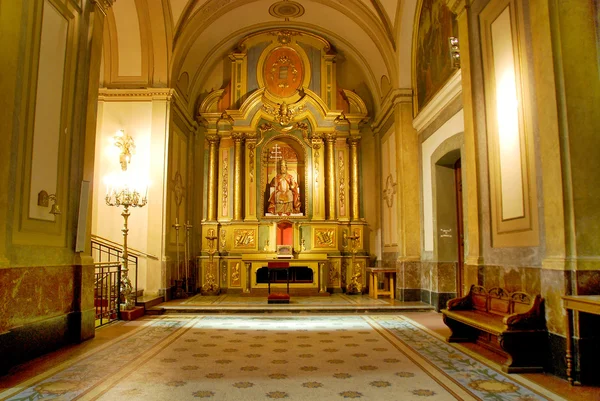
<point x="532" y="319"/>
<point x="462" y="303"/>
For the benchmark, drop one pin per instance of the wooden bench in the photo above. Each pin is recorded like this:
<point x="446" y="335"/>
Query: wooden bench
<point x="511" y="324"/>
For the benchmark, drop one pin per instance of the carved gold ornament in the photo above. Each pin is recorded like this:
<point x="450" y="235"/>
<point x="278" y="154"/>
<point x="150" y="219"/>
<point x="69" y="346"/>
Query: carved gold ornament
<point x="389" y="191"/>
<point x="325" y="237"/>
<point x="235" y="275"/>
<point x="283" y="113"/>
<point x="355" y="284"/>
<point x="223" y="239"/>
<point x="178" y="189"/>
<point x="334" y="275"/>
<point x="342" y="189"/>
<point x="265" y="127"/>
<point x="225" y="183"/>
<point x="251" y="147"/>
<point x="244" y="238"/>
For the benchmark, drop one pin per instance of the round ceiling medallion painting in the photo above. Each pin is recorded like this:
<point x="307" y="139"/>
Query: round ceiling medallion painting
<point x="286" y="9"/>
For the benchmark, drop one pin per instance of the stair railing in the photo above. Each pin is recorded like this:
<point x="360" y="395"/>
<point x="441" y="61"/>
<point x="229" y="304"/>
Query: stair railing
<point x="107" y="261"/>
<point x="107" y="292"/>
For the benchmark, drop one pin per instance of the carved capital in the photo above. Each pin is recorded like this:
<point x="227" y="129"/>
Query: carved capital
<point x="316" y="136"/>
<point x="238" y="137"/>
<point x="330" y="138"/>
<point x="354" y="140"/>
<point x="104" y="5"/>
<point x="213" y="139"/>
<point x="458" y="6"/>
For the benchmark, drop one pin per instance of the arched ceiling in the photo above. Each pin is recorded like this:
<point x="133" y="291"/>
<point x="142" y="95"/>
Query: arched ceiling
<point x="153" y="42"/>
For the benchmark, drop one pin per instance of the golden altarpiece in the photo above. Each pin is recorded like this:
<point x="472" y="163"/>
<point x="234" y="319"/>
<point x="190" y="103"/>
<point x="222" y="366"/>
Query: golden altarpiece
<point x="282" y="170"/>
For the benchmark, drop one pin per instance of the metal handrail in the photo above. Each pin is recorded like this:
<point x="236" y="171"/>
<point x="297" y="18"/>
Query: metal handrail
<point x="107" y="292"/>
<point x="130" y="250"/>
<point x="114" y="255"/>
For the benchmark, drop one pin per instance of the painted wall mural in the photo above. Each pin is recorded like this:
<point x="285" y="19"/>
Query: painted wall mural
<point x="433" y="65"/>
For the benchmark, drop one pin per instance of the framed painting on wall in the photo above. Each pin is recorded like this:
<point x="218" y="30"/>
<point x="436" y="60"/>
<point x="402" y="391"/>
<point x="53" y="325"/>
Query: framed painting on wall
<point x="432" y="65"/>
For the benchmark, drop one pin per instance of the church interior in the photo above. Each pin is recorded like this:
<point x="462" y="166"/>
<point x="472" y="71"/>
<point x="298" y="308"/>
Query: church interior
<point x="178" y="175"/>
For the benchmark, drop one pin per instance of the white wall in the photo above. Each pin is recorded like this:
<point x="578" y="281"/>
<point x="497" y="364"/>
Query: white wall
<point x="453" y="126"/>
<point x="147" y="123"/>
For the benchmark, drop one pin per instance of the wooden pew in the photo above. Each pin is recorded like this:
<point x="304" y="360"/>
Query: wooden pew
<point x="510" y="324"/>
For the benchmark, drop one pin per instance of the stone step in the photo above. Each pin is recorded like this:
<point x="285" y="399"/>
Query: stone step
<point x="148" y="301"/>
<point x="289" y="308"/>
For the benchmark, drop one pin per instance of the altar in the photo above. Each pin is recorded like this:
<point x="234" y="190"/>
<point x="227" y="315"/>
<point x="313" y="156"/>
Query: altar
<point x="315" y="263"/>
<point x="282" y="173"/>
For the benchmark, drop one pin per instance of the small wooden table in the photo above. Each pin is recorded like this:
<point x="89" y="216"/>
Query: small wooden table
<point x="579" y="303"/>
<point x="388" y="281"/>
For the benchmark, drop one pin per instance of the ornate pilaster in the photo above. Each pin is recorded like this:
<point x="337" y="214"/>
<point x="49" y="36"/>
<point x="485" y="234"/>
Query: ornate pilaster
<point x="318" y="192"/>
<point x="238" y="188"/>
<point x="328" y="86"/>
<point x="213" y="168"/>
<point x="238" y="78"/>
<point x="330" y="155"/>
<point x="250" y="177"/>
<point x="353" y="141"/>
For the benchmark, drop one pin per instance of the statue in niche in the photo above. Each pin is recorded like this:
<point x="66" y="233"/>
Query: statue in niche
<point x="284" y="198"/>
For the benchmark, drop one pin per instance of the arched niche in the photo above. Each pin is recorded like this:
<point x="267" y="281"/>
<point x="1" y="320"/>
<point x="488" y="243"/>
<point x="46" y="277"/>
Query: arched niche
<point x="284" y="194"/>
<point x="285" y="233"/>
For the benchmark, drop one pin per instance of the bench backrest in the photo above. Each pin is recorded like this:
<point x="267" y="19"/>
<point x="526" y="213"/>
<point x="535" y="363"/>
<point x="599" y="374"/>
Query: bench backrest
<point x="521" y="302"/>
<point x="499" y="301"/>
<point x="479" y="298"/>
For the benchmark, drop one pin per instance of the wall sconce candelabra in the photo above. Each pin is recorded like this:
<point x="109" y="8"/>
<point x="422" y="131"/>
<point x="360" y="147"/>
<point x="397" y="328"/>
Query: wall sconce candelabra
<point x="123" y="195"/>
<point x="454" y="52"/>
<point x="44" y="200"/>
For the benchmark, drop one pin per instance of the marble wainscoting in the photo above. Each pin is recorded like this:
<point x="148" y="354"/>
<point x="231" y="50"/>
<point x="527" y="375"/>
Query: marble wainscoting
<point x="43" y="308"/>
<point x="438" y="283"/>
<point x="408" y="283"/>
<point x="426" y="281"/>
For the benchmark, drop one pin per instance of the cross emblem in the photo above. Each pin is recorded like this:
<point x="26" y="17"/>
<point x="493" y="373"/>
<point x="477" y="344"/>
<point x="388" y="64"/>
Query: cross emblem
<point x="276" y="153"/>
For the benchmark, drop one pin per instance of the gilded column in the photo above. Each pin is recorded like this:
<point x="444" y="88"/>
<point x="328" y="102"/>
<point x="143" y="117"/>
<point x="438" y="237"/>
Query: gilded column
<point x="248" y="286"/>
<point x="330" y="180"/>
<point x="237" y="177"/>
<point x="354" y="202"/>
<point x="213" y="168"/>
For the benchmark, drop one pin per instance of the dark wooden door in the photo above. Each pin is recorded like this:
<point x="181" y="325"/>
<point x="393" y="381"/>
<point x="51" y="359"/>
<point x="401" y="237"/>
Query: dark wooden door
<point x="459" y="227"/>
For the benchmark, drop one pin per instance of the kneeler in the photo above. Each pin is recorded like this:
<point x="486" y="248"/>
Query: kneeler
<point x="279" y="297"/>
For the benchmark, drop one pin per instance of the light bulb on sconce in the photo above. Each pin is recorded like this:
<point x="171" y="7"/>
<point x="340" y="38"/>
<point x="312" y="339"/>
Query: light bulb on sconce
<point x="44" y="200"/>
<point x="124" y="142"/>
<point x="454" y="52"/>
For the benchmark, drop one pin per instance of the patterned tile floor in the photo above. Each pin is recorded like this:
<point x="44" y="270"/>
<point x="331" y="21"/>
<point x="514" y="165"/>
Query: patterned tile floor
<point x="232" y="357"/>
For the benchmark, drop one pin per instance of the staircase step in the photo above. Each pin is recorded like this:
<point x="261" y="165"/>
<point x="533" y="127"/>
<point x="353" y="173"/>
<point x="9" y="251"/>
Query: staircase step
<point x="148" y="301"/>
<point x="156" y="310"/>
